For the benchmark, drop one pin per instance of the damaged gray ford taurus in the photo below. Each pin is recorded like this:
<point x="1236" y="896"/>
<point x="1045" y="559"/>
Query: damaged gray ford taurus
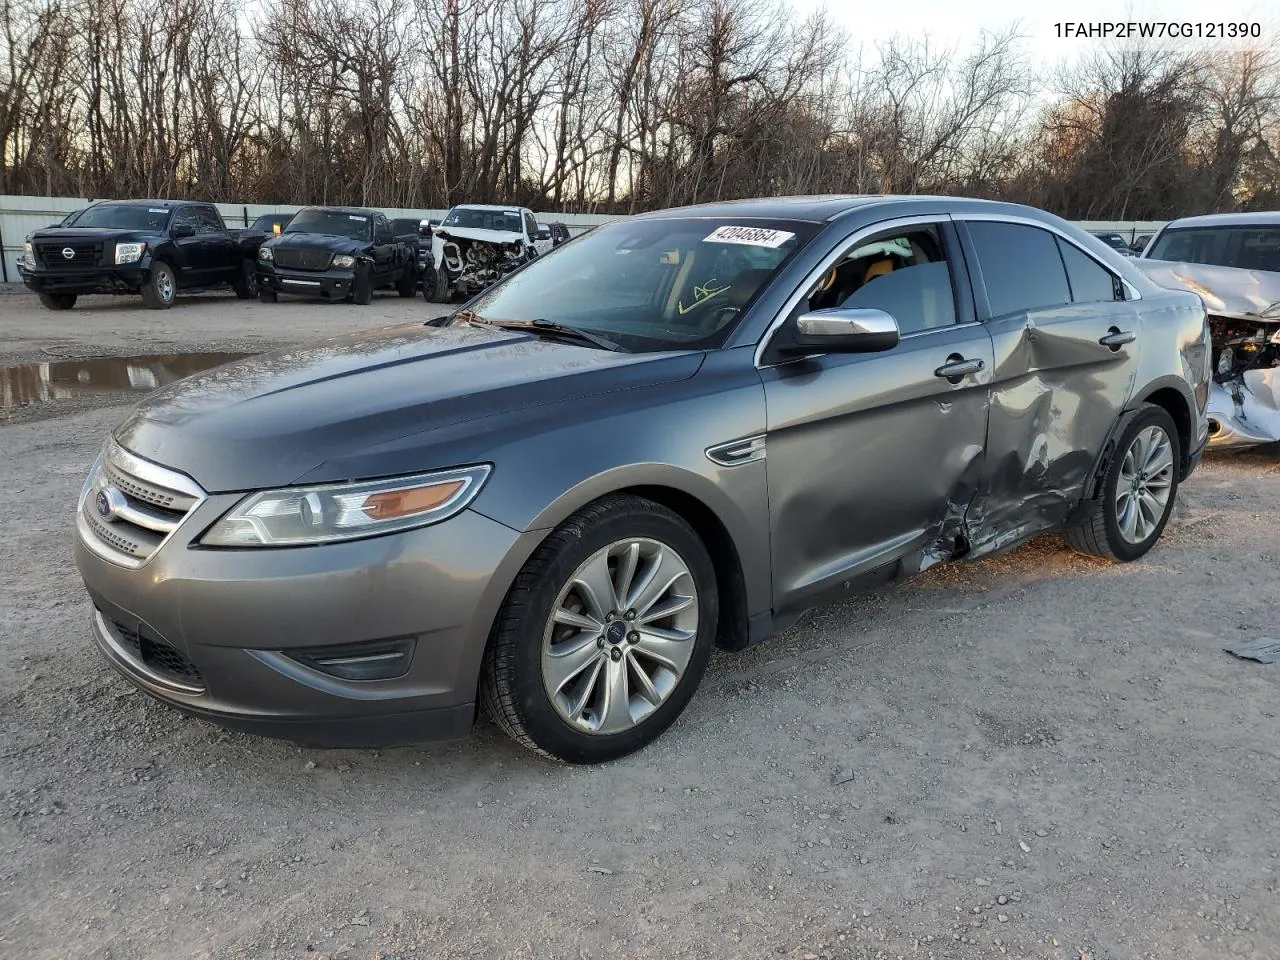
<point x="677" y="431"/>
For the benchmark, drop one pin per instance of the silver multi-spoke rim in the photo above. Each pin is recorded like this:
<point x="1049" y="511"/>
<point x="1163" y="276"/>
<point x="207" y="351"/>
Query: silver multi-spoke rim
<point x="164" y="285"/>
<point x="620" y="636"/>
<point x="1146" y="479"/>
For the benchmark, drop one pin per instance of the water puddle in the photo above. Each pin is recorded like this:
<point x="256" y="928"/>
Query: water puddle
<point x="35" y="383"/>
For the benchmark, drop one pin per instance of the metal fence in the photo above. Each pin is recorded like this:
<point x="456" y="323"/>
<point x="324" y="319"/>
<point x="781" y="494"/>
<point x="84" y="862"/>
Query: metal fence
<point x="20" y="216"/>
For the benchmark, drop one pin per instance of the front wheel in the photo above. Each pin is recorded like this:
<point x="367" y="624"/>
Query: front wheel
<point x="161" y="287"/>
<point x="1138" y="491"/>
<point x="266" y="294"/>
<point x="435" y="285"/>
<point x="605" y="634"/>
<point x="362" y="285"/>
<point x="407" y="285"/>
<point x="58" y="301"/>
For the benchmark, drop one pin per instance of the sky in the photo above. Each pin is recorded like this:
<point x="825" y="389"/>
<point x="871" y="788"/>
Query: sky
<point x="960" y="22"/>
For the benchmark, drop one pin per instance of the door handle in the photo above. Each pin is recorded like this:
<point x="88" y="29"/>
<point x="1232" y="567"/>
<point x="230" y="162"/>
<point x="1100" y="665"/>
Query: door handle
<point x="1117" y="338"/>
<point x="957" y="368"/>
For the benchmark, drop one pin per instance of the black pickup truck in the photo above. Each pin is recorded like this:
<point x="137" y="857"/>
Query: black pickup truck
<point x="338" y="253"/>
<point x="150" y="247"/>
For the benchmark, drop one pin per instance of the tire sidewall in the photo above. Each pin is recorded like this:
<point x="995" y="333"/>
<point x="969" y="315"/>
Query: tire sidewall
<point x="1148" y="417"/>
<point x="157" y="270"/>
<point x="540" y="719"/>
<point x="362" y="285"/>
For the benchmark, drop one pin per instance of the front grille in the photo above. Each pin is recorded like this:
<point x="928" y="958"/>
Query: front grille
<point x="86" y="253"/>
<point x="156" y="655"/>
<point x="130" y="506"/>
<point x="301" y="258"/>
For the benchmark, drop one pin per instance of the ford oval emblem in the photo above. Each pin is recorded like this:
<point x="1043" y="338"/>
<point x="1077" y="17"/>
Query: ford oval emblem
<point x="68" y="253"/>
<point x="109" y="502"/>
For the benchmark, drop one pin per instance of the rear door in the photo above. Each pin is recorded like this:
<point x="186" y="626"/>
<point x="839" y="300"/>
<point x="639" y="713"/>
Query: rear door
<point x="873" y="458"/>
<point x="217" y="246"/>
<point x="1066" y="342"/>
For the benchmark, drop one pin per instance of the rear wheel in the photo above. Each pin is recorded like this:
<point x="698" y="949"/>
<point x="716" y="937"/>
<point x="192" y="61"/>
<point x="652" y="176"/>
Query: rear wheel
<point x="605" y="633"/>
<point x="245" y="283"/>
<point x="58" y="301"/>
<point x="1138" y="491"/>
<point x="160" y="289"/>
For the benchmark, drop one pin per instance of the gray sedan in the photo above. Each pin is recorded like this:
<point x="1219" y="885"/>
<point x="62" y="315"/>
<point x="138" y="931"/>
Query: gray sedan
<point x="680" y="430"/>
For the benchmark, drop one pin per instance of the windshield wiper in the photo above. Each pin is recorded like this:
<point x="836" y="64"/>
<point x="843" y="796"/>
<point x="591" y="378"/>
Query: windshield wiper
<point x="555" y="330"/>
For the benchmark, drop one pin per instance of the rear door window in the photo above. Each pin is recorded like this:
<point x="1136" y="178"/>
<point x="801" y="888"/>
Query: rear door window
<point x="1021" y="267"/>
<point x="1090" y="282"/>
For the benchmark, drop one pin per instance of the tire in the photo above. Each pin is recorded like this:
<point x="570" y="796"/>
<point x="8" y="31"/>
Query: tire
<point x="362" y="285"/>
<point x="246" y="282"/>
<point x="435" y="286"/>
<point x="161" y="287"/>
<point x="1128" y="517"/>
<point x="407" y="285"/>
<point x="266" y="294"/>
<point x="58" y="301"/>
<point x="600" y="648"/>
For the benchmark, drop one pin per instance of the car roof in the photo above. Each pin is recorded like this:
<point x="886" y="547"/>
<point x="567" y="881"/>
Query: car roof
<point x="1258" y="219"/>
<point x="825" y="208"/>
<point x="148" y="203"/>
<point x="487" y="206"/>
<point x="357" y="211"/>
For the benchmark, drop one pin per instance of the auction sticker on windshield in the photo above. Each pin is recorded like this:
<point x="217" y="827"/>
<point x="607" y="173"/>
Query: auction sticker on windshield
<point x="750" y="236"/>
<point x="352" y="216"/>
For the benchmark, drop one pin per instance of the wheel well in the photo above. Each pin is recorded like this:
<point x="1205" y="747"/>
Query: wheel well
<point x="1173" y="403"/>
<point x="731" y="586"/>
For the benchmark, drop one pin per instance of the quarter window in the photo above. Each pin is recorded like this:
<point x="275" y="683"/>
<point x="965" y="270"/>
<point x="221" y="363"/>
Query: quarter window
<point x="904" y="274"/>
<point x="1021" y="266"/>
<point x="1090" y="282"/>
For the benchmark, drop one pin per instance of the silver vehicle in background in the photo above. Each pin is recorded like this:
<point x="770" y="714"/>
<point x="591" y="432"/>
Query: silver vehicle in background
<point x="1233" y="262"/>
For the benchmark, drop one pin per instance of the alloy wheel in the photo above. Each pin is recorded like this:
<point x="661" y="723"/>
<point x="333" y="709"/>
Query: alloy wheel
<point x="1144" y="484"/>
<point x="620" y="636"/>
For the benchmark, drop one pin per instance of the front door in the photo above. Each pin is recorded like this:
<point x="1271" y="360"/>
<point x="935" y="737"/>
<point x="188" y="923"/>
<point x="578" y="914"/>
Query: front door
<point x="1066" y="346"/>
<point x="873" y="458"/>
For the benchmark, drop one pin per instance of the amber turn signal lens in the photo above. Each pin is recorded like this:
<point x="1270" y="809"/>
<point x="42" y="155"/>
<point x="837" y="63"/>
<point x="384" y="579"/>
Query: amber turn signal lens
<point x="407" y="503"/>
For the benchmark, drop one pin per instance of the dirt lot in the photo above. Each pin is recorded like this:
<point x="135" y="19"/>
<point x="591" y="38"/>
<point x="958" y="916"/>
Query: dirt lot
<point x="1034" y="756"/>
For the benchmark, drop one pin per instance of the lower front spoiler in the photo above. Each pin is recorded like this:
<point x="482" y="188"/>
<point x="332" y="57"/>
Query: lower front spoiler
<point x="389" y="729"/>
<point x="84" y="282"/>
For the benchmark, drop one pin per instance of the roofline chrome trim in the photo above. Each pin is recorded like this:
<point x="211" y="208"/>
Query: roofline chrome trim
<point x="827" y="262"/>
<point x="1131" y="292"/>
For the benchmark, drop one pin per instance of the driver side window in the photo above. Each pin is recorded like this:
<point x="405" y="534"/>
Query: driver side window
<point x="904" y="273"/>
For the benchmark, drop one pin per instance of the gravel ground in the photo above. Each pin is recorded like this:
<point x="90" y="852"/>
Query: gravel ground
<point x="1038" y="755"/>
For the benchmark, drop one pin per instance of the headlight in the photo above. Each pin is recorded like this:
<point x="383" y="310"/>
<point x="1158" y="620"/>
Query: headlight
<point x="1226" y="361"/>
<point x="28" y="254"/>
<point x="297" y="516"/>
<point x="264" y="253"/>
<point x="344" y="260"/>
<point x="129" y="252"/>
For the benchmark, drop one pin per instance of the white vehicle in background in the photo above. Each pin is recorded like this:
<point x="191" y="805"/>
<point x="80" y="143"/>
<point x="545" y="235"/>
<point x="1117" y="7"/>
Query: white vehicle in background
<point x="476" y="245"/>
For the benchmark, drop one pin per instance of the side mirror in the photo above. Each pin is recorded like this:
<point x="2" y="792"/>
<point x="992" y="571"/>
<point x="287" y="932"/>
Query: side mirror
<point x="840" y="330"/>
<point x="182" y="230"/>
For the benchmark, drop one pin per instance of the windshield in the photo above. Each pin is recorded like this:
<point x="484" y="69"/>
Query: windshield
<point x="472" y="219"/>
<point x="334" y="223"/>
<point x="1250" y="248"/>
<point x="120" y="217"/>
<point x="666" y="284"/>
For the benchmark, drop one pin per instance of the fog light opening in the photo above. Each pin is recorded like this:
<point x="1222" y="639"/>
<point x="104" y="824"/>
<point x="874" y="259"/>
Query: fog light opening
<point x="375" y="660"/>
<point x="1215" y="427"/>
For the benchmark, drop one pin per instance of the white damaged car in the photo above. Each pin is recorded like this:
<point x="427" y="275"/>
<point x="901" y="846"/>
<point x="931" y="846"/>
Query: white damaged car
<point x="478" y="244"/>
<point x="1233" y="262"/>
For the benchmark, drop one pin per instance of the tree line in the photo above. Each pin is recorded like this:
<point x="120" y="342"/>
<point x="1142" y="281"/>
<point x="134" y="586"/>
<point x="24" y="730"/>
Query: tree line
<point x="609" y="106"/>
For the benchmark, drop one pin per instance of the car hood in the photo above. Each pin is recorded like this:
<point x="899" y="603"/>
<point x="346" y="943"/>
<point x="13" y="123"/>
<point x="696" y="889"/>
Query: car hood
<point x="1230" y="292"/>
<point x="485" y="236"/>
<point x="271" y="419"/>
<point x="316" y="241"/>
<point x="95" y="233"/>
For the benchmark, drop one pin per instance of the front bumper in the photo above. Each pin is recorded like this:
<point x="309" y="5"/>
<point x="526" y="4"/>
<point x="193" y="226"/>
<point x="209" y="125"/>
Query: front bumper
<point x="215" y="632"/>
<point x="332" y="284"/>
<point x="85" y="280"/>
<point x="1245" y="413"/>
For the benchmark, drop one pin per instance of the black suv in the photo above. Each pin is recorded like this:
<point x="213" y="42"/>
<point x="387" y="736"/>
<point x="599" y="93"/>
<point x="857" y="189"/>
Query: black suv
<point x="149" y="247"/>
